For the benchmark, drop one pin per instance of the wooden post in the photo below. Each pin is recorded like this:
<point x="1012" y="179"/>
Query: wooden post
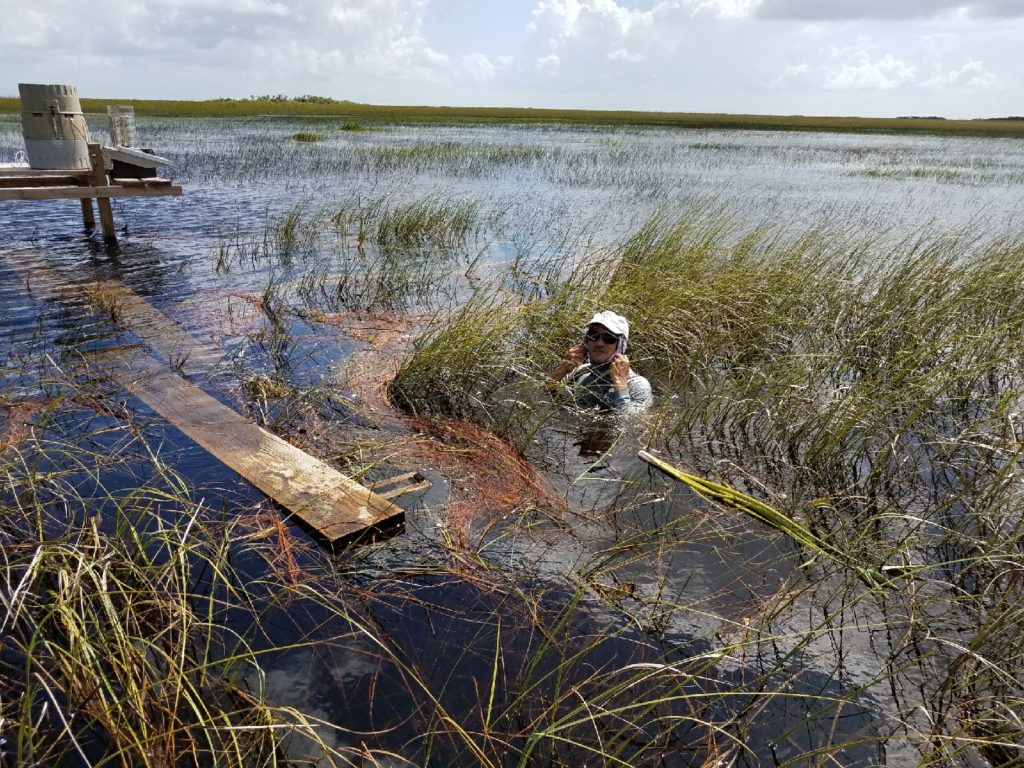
<point x="99" y="179"/>
<point x="88" y="217"/>
<point x="106" y="217"/>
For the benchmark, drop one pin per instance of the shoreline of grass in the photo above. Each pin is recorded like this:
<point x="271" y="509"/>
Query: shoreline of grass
<point x="353" y="111"/>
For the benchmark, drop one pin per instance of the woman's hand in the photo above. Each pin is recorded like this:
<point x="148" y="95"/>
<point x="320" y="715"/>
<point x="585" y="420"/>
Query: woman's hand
<point x="574" y="356"/>
<point x="618" y="371"/>
<point x="572" y="359"/>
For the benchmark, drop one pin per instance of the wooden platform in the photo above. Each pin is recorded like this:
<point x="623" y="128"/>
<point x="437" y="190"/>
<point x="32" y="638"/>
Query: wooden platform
<point x="19" y="182"/>
<point x="334" y="505"/>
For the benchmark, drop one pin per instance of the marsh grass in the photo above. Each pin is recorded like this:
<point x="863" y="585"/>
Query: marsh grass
<point x="350" y="111"/>
<point x="362" y="254"/>
<point x="867" y="390"/>
<point x="113" y="651"/>
<point x="874" y="395"/>
<point x="143" y="635"/>
<point x="140" y="638"/>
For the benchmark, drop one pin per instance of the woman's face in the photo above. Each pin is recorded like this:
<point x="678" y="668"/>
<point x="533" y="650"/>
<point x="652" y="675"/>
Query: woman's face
<point x="601" y="344"/>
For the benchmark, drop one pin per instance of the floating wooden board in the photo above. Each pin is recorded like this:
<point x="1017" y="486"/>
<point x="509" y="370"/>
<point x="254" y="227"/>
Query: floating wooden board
<point x="167" y="338"/>
<point x="325" y="499"/>
<point x="398" y="485"/>
<point x="321" y="496"/>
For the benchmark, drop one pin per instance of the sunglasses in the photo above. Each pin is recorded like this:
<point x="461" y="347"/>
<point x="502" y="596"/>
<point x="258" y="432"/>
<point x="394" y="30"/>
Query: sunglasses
<point x="607" y="338"/>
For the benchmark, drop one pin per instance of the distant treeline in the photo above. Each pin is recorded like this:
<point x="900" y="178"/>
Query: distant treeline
<point x="326" y="107"/>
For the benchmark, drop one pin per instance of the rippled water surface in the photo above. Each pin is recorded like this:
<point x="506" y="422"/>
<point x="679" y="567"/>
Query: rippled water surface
<point x="536" y="192"/>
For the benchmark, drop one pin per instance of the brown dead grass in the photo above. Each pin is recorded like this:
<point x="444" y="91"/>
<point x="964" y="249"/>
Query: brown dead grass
<point x="16" y="420"/>
<point x="487" y="478"/>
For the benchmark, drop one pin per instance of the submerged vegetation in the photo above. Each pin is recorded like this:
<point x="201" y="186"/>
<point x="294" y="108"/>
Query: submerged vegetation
<point x="876" y="399"/>
<point x="843" y="589"/>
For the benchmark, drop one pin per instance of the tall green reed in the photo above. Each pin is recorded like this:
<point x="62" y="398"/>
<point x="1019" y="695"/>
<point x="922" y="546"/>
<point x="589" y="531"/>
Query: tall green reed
<point x="869" y="388"/>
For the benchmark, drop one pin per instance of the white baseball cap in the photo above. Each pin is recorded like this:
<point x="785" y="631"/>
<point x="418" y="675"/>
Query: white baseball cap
<point x="617" y="324"/>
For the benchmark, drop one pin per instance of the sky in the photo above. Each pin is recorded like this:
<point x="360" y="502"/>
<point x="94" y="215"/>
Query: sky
<point x="871" y="58"/>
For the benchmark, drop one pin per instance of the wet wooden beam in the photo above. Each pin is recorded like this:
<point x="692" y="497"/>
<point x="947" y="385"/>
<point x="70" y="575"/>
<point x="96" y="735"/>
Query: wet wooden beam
<point x="37" y="181"/>
<point x="99" y="178"/>
<point x="334" y="505"/>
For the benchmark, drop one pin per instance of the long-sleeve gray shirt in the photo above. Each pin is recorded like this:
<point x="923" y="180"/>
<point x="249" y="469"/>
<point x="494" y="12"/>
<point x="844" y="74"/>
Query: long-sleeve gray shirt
<point x="591" y="387"/>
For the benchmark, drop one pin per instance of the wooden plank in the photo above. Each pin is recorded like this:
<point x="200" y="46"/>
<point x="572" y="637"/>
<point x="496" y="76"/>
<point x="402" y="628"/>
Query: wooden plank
<point x="321" y="496"/>
<point x="395" y="480"/>
<point x="106" y="217"/>
<point x="77" y="193"/>
<point x="403" y="489"/>
<point x="12" y="169"/>
<point x="149" y="181"/>
<point x="99" y="179"/>
<point x="163" y="335"/>
<point x="168" y="338"/>
<point x="99" y="171"/>
<point x="88" y="217"/>
<point x="37" y="181"/>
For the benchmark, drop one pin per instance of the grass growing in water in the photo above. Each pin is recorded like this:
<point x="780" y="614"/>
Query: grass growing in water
<point x="873" y="395"/>
<point x="141" y="639"/>
<point x="780" y="354"/>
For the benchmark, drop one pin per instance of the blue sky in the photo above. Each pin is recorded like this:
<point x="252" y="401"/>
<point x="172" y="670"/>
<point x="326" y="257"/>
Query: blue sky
<point x="815" y="57"/>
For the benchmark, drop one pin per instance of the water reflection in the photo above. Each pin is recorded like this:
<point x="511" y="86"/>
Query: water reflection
<point x="633" y="538"/>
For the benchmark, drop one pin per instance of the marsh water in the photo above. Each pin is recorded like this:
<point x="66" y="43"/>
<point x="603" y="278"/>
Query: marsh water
<point x="251" y="216"/>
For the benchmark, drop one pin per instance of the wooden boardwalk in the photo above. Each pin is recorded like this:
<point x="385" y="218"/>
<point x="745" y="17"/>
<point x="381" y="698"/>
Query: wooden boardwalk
<point x="334" y="505"/>
<point x="19" y="182"/>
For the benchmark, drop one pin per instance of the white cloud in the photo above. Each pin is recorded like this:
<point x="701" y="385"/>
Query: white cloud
<point x="562" y="20"/>
<point x="883" y="74"/>
<point x="854" y="56"/>
<point x="726" y="9"/>
<point x="970" y="75"/>
<point x="794" y="75"/>
<point x="348" y="17"/>
<point x="477" y="66"/>
<point x="548" y="65"/>
<point x="621" y="54"/>
<point x="306" y="37"/>
<point x="32" y="29"/>
<point x="861" y="72"/>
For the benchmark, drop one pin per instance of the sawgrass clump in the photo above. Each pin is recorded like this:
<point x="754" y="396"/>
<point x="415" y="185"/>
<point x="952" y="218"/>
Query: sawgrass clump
<point x="148" y="636"/>
<point x="870" y="390"/>
<point x="115" y="645"/>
